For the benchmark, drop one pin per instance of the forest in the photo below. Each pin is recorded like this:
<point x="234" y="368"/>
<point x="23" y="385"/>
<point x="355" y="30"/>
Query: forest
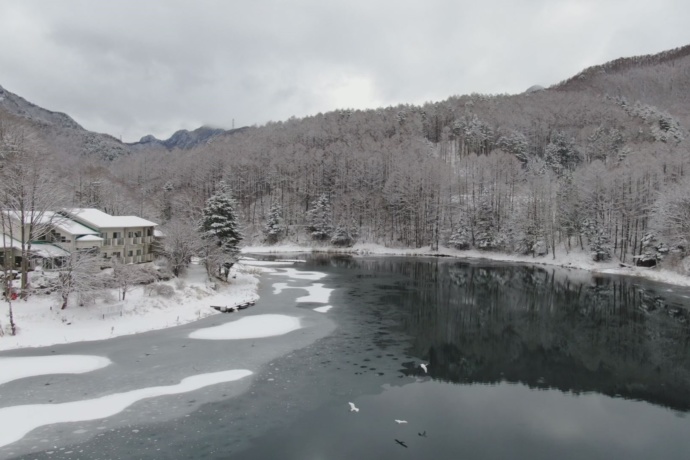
<point x="596" y="163"/>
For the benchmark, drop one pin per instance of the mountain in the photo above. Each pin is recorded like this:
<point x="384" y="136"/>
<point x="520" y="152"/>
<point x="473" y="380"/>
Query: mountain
<point x="184" y="139"/>
<point x="60" y="131"/>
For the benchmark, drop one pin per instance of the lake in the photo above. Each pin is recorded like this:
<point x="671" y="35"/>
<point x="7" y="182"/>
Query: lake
<point x="524" y="362"/>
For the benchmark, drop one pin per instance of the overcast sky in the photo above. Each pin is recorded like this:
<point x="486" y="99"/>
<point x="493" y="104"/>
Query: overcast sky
<point x="131" y="68"/>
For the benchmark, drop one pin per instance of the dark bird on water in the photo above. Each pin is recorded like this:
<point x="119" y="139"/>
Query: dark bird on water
<point x="422" y="434"/>
<point x="401" y="443"/>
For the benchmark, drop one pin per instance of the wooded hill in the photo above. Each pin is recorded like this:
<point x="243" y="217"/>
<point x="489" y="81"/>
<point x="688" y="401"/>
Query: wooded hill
<point x="598" y="161"/>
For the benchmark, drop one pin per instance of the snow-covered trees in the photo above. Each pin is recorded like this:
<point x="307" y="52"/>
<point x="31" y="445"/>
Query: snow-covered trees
<point x="220" y="230"/>
<point x="180" y="242"/>
<point x="128" y="276"/>
<point x="28" y="190"/>
<point x="274" y="229"/>
<point x="561" y="155"/>
<point x="79" y="275"/>
<point x="320" y="219"/>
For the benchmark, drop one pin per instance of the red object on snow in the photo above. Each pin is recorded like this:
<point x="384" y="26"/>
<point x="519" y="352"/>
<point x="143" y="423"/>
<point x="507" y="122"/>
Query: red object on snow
<point x="13" y="296"/>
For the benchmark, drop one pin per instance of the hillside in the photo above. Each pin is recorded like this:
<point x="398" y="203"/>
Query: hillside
<point x="598" y="161"/>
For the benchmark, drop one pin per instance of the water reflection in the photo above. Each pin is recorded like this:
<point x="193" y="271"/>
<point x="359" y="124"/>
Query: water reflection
<point x="546" y="328"/>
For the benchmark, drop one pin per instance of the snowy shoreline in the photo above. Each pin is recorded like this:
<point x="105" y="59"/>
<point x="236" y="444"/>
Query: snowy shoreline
<point x="42" y="324"/>
<point x="575" y="258"/>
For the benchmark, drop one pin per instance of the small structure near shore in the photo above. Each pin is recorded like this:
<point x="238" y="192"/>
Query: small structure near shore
<point x="226" y="309"/>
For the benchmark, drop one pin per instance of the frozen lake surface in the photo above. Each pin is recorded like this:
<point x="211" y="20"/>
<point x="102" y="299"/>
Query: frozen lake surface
<point x="524" y="363"/>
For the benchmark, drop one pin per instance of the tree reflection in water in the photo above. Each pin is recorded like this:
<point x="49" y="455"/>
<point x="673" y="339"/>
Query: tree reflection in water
<point x="543" y="327"/>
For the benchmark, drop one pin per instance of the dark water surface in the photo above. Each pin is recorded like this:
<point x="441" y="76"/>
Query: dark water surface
<point x="525" y="363"/>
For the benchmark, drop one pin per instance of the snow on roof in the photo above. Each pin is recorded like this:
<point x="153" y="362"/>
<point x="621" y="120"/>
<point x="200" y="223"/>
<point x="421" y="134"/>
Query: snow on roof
<point x="48" y="251"/>
<point x="68" y="225"/>
<point x="55" y="220"/>
<point x="8" y="242"/>
<point x="89" y="238"/>
<point x="100" y="219"/>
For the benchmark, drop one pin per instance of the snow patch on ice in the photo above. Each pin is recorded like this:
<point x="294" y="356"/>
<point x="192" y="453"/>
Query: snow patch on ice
<point x="301" y="275"/>
<point x="323" y="309"/>
<point x="317" y="293"/>
<point x="249" y="327"/>
<point x="17" y="421"/>
<point x="15" y="368"/>
<point x="279" y="287"/>
<point x="265" y="263"/>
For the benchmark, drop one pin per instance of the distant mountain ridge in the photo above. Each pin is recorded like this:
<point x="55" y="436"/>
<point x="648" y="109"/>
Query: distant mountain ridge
<point x="184" y="139"/>
<point x="20" y="107"/>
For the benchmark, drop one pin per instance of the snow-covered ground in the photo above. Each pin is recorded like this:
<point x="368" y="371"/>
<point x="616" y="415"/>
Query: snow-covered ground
<point x="42" y="323"/>
<point x="575" y="258"/>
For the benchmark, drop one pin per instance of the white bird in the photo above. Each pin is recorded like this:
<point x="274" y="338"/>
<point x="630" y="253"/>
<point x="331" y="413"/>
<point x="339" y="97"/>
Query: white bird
<point x="353" y="408"/>
<point x="400" y="421"/>
<point x="423" y="366"/>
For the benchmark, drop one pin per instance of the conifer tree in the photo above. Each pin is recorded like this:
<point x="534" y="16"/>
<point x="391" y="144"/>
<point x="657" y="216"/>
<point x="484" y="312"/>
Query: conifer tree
<point x="220" y="229"/>
<point x="319" y="218"/>
<point x="274" y="228"/>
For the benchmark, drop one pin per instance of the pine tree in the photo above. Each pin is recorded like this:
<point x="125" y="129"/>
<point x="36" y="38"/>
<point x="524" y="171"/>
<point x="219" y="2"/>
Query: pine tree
<point x="342" y="237"/>
<point x="319" y="218"/>
<point x="274" y="228"/>
<point x="220" y="229"/>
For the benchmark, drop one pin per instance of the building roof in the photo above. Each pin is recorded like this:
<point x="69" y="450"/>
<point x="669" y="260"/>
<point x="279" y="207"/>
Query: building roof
<point x="7" y="242"/>
<point x="89" y="238"/>
<point x="100" y="219"/>
<point x="48" y="251"/>
<point x="67" y="225"/>
<point x="54" y="219"/>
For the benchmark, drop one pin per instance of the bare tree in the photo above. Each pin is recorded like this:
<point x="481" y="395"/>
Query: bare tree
<point x="29" y="191"/>
<point x="181" y="241"/>
<point x="79" y="274"/>
<point x="129" y="276"/>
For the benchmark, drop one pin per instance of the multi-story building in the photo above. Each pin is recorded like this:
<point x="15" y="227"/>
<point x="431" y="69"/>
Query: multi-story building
<point x="127" y="238"/>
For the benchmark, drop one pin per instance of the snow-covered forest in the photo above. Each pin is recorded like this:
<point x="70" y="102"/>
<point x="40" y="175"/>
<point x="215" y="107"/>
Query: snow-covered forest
<point x="598" y="162"/>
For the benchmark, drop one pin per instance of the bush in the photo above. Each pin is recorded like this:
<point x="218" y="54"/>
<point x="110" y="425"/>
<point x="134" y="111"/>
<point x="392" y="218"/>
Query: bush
<point x="163" y="290"/>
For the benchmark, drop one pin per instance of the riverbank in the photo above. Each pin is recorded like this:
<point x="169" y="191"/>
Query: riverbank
<point x="574" y="258"/>
<point x="41" y="323"/>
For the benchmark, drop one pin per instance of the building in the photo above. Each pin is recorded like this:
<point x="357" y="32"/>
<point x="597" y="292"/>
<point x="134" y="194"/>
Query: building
<point x="59" y="233"/>
<point x="127" y="238"/>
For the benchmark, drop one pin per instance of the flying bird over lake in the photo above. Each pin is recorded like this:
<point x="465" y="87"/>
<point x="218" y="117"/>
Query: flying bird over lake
<point x="423" y="366"/>
<point x="400" y="421"/>
<point x="422" y="434"/>
<point x="401" y="443"/>
<point x="353" y="408"/>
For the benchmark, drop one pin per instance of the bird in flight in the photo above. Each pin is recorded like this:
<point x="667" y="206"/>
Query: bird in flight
<point x="424" y="366"/>
<point x="401" y="443"/>
<point x="353" y="408"/>
<point x="422" y="434"/>
<point x="400" y="421"/>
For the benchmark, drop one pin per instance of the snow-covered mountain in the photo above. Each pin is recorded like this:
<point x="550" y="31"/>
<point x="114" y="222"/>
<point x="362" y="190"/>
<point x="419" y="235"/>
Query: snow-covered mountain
<point x="184" y="139"/>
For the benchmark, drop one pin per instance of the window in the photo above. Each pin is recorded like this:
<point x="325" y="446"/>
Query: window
<point x="138" y="252"/>
<point x="116" y="254"/>
<point x="104" y="235"/>
<point x="129" y="254"/>
<point x="130" y="235"/>
<point x="116" y="234"/>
